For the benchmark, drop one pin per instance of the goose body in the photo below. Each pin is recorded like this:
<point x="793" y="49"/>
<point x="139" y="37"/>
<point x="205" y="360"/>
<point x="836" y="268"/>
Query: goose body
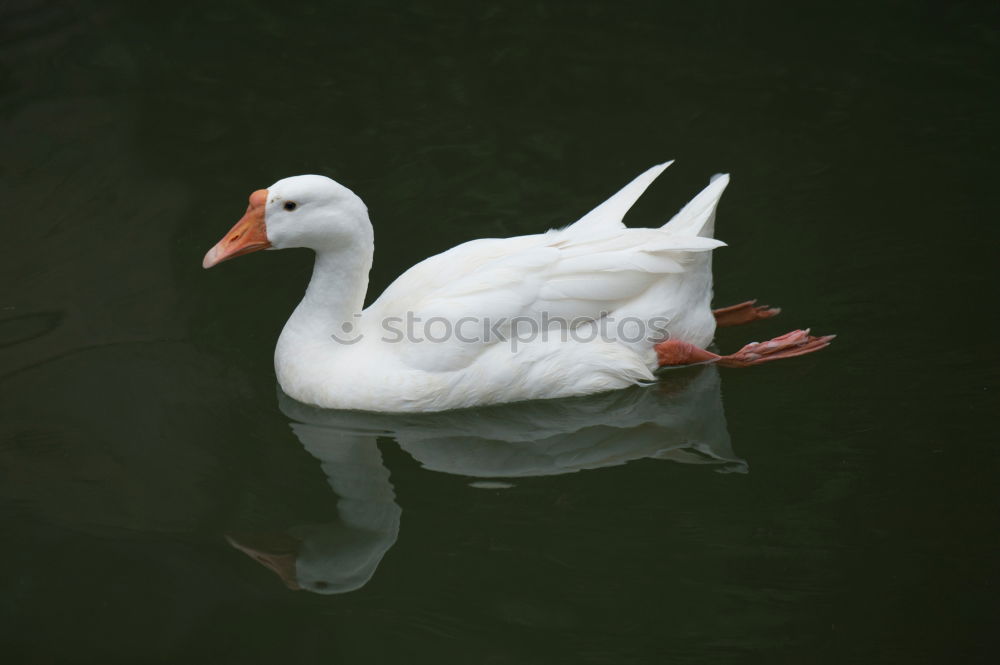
<point x="569" y="312"/>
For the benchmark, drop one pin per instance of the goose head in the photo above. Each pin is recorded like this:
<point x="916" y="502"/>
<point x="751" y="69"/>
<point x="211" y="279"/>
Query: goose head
<point x="310" y="211"/>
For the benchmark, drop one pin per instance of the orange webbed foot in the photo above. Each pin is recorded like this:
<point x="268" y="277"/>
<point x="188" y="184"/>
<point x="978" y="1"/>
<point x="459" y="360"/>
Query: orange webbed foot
<point x="789" y="345"/>
<point x="676" y="353"/>
<point x="745" y="312"/>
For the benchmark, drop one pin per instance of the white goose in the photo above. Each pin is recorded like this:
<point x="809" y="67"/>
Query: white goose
<point x="592" y="307"/>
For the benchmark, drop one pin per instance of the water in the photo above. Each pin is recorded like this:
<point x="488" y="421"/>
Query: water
<point x="834" y="508"/>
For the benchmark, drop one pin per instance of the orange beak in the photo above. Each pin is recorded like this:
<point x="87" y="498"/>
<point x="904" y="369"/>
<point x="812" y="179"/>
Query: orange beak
<point x="277" y="551"/>
<point x="248" y="235"/>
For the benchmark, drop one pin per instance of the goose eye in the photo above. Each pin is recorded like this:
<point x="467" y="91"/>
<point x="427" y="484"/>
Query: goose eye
<point x="291" y="205"/>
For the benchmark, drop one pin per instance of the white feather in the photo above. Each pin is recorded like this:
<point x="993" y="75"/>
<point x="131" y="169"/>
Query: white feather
<point x="595" y="270"/>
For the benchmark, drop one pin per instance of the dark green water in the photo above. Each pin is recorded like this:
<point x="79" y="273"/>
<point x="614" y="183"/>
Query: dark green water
<point x="858" y="518"/>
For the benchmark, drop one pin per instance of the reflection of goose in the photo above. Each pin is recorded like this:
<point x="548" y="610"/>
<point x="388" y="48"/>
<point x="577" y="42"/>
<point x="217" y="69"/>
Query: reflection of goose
<point x="682" y="422"/>
<point x="340" y="556"/>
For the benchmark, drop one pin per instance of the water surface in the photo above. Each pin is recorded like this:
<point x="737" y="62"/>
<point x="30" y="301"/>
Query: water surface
<point x="834" y="508"/>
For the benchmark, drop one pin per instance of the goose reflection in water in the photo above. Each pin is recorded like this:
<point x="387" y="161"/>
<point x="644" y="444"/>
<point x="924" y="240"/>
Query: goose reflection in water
<point x="681" y="419"/>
